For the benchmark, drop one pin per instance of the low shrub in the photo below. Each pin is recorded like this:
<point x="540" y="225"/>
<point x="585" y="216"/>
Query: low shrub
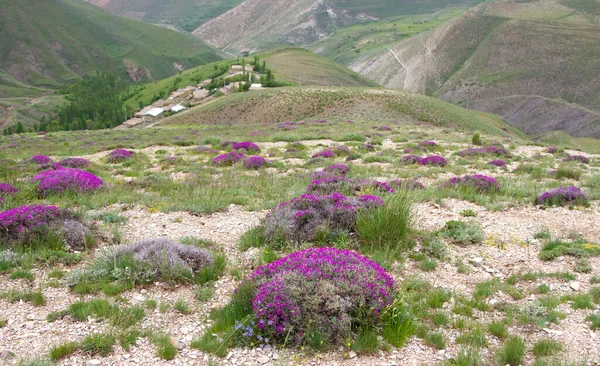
<point x="484" y="150"/>
<point x="410" y="159"/>
<point x="569" y="173"/>
<point x="40" y="159"/>
<point x="579" y="158"/>
<point x="228" y="159"/>
<point x="146" y="262"/>
<point x="462" y="232"/>
<point x="512" y="352"/>
<point x="246" y="145"/>
<point x="497" y="162"/>
<point x="479" y="182"/>
<point x="333" y="184"/>
<point x="118" y="156"/>
<point x="328" y="153"/>
<point x="98" y="344"/>
<point x="552" y="150"/>
<point x="434" y="160"/>
<point x="558" y="248"/>
<point x="302" y="218"/>
<point x="561" y="196"/>
<point x="337" y="169"/>
<point x="7" y="190"/>
<point x="42" y="225"/>
<point x="66" y="179"/>
<point x="77" y="163"/>
<point x="319" y="289"/>
<point x="255" y="162"/>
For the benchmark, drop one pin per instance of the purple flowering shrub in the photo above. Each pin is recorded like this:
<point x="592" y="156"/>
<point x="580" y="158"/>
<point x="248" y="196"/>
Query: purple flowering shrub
<point x="77" y="163"/>
<point x="497" y="162"/>
<point x="332" y="184"/>
<point x="118" y="156"/>
<point x="427" y="143"/>
<point x="552" y="150"/>
<point x="561" y="196"/>
<point x="579" y="158"/>
<point x="337" y="169"/>
<point x="23" y="225"/>
<point x="484" y="150"/>
<point x="319" y="289"/>
<point x="228" y="159"/>
<point x="301" y="219"/>
<point x="66" y="179"/>
<point x="255" y="162"/>
<point x="434" y="160"/>
<point x="405" y="184"/>
<point x="246" y="145"/>
<point x="410" y="159"/>
<point x="7" y="190"/>
<point x="40" y="159"/>
<point x="328" y="153"/>
<point x="480" y="182"/>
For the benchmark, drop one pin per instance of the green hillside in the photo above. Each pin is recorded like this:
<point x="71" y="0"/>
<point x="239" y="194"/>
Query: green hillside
<point x="300" y="65"/>
<point x="186" y="15"/>
<point x="341" y="104"/>
<point x="47" y="43"/>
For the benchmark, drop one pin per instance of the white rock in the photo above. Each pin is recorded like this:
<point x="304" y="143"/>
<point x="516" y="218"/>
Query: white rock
<point x="352" y="354"/>
<point x="93" y="363"/>
<point x="576" y="286"/>
<point x="263" y="359"/>
<point x="476" y="262"/>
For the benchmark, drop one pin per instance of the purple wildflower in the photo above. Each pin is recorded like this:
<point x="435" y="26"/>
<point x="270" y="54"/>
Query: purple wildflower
<point x="255" y="162"/>
<point x="118" y="155"/>
<point x="7" y="189"/>
<point x="427" y="143"/>
<point x="246" y="145"/>
<point x="228" y="159"/>
<point x="433" y="160"/>
<point x="410" y="159"/>
<point x="40" y="159"/>
<point x="552" y="150"/>
<point x="484" y="150"/>
<point x="337" y="169"/>
<point x="74" y="163"/>
<point x="579" y="158"/>
<point x="324" y="154"/>
<point x="326" y="285"/>
<point x="479" y="182"/>
<point x="561" y="196"/>
<point x="499" y="163"/>
<point x="66" y="179"/>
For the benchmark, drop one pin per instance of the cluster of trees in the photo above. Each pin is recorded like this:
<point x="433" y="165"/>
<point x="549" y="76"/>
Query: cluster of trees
<point x="96" y="102"/>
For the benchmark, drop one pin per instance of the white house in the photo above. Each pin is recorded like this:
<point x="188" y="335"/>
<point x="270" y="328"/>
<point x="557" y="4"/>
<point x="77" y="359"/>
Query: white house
<point x="177" y="108"/>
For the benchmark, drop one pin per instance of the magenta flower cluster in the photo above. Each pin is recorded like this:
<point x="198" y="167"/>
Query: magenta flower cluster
<point x="498" y="163"/>
<point x="434" y="160"/>
<point x="318" y="288"/>
<point x="561" y="196"/>
<point x="410" y="159"/>
<point x="552" y="150"/>
<point x="579" y="158"/>
<point x="427" y="143"/>
<point x="7" y="189"/>
<point x="324" y="154"/>
<point x="479" y="182"/>
<point x="20" y="222"/>
<point x="483" y="150"/>
<point x="66" y="179"/>
<point x="246" y="145"/>
<point x="337" y="169"/>
<point x="228" y="159"/>
<point x="40" y="159"/>
<point x="331" y="184"/>
<point x="119" y="155"/>
<point x="300" y="219"/>
<point x="255" y="162"/>
<point x="78" y="163"/>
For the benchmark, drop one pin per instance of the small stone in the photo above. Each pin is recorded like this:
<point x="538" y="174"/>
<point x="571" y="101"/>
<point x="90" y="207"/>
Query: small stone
<point x="476" y="262"/>
<point x="263" y="359"/>
<point x="352" y="354"/>
<point x="8" y="354"/>
<point x="93" y="363"/>
<point x="576" y="286"/>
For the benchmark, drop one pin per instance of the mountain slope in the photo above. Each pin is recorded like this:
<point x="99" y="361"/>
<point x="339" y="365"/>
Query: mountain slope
<point x="499" y="53"/>
<point x="262" y="24"/>
<point x="186" y="15"/>
<point x="46" y="43"/>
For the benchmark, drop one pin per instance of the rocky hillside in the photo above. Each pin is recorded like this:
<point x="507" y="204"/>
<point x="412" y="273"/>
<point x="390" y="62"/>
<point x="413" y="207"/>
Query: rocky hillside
<point x="532" y="63"/>
<point x="262" y="24"/>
